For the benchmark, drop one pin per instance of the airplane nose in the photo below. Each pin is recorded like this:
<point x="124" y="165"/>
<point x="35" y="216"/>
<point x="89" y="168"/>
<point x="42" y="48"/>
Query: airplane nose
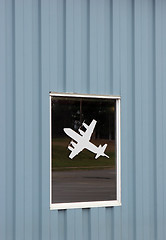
<point x="66" y="130"/>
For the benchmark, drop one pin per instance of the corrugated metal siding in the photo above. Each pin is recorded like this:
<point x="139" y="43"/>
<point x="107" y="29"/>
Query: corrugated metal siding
<point x="83" y="46"/>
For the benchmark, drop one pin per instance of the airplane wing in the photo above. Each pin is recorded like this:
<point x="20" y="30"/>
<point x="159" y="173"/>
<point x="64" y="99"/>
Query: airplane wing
<point x="89" y="131"/>
<point x="75" y="150"/>
<point x="74" y="147"/>
<point x="81" y="139"/>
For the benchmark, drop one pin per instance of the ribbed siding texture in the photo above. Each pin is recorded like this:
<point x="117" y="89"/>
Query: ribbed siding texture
<point x="83" y="46"/>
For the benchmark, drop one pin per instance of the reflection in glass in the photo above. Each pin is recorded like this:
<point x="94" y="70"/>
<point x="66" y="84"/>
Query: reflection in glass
<point x="83" y="178"/>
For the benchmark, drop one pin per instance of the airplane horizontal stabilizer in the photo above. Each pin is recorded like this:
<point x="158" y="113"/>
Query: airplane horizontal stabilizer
<point x="101" y="150"/>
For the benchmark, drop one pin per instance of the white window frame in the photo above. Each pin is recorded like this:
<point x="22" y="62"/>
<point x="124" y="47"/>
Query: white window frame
<point x="111" y="203"/>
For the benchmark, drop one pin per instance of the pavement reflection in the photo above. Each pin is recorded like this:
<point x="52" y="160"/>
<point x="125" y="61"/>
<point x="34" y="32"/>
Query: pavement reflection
<point x="83" y="185"/>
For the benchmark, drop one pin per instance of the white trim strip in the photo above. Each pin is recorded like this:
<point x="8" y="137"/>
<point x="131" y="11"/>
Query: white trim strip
<point x="50" y="155"/>
<point x="118" y="137"/>
<point x="84" y="205"/>
<point x="83" y="95"/>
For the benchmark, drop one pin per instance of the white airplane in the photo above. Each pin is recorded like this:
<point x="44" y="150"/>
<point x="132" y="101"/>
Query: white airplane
<point x="83" y="141"/>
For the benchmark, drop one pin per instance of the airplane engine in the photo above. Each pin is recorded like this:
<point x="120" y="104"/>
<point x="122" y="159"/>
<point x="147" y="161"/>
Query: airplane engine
<point x="85" y="125"/>
<point x="70" y="148"/>
<point x="73" y="143"/>
<point x="81" y="132"/>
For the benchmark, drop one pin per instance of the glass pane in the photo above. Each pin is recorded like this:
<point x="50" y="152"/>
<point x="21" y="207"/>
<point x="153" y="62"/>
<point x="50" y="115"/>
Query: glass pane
<point x="83" y="149"/>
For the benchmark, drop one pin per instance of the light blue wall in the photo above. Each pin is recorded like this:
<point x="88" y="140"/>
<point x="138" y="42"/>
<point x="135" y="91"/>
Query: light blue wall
<point x="82" y="46"/>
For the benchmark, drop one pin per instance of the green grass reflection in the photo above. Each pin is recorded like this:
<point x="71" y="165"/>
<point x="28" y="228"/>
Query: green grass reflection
<point x="85" y="159"/>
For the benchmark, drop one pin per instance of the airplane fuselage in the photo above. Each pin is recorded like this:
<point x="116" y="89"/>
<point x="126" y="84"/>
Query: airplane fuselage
<point x="82" y="140"/>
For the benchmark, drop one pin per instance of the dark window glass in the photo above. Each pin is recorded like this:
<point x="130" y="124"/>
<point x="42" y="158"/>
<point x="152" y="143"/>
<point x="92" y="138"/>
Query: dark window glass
<point x="83" y="149"/>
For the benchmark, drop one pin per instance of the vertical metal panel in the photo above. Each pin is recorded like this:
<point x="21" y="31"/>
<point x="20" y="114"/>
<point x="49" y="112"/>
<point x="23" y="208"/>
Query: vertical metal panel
<point x="100" y="47"/>
<point x="109" y="224"/>
<point x="78" y="224"/>
<point x="86" y="226"/>
<point x="163" y="59"/>
<point x="45" y="86"/>
<point x="160" y="85"/>
<point x="62" y="225"/>
<point x="36" y="109"/>
<point x="102" y="224"/>
<point x="138" y="120"/>
<point x="3" y="170"/>
<point x="28" y="62"/>
<point x="10" y="141"/>
<point x="19" y="122"/>
<point x="94" y="224"/>
<point x="116" y="232"/>
<point x="70" y="224"/>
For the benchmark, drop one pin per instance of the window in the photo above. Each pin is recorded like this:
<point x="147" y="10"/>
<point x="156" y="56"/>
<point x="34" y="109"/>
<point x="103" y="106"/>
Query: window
<point x="84" y="151"/>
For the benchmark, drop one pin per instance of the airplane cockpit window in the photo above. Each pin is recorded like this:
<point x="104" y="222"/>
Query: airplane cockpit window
<point x="84" y="151"/>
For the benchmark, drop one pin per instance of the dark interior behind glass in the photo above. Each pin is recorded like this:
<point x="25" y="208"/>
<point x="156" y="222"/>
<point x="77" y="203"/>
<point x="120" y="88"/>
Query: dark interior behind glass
<point x="83" y="178"/>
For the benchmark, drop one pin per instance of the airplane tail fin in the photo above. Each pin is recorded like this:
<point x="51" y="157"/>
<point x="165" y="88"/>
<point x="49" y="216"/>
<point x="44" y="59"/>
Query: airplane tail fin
<point x="101" y="150"/>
